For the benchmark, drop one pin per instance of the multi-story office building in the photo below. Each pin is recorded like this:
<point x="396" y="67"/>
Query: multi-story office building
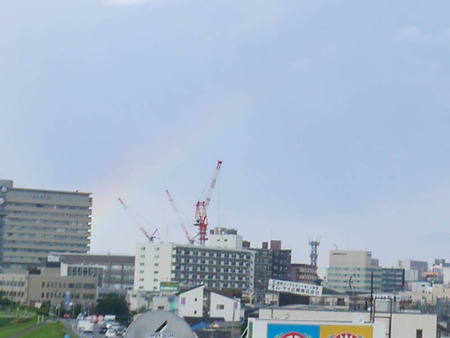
<point x="48" y="284"/>
<point x="303" y="273"/>
<point x="113" y="271"/>
<point x="352" y="270"/>
<point x="216" y="268"/>
<point x="411" y="266"/>
<point x="272" y="262"/>
<point x="393" y="280"/>
<point x="35" y="222"/>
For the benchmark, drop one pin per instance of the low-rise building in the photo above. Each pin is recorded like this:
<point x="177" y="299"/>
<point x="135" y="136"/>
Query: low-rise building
<point x="114" y="272"/>
<point x="13" y="286"/>
<point x="47" y="284"/>
<point x="224" y="307"/>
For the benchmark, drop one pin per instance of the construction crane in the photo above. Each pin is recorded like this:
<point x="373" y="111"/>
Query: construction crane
<point x="201" y="207"/>
<point x="149" y="237"/>
<point x="190" y="239"/>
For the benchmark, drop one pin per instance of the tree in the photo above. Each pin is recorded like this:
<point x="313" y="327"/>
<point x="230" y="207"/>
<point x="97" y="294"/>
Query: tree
<point x="112" y="304"/>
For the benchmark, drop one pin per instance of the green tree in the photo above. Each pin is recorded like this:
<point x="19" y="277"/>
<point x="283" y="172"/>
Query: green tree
<point x="113" y="304"/>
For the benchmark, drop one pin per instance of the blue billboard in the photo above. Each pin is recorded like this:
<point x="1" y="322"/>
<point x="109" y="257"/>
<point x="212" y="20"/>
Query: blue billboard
<point x="293" y="331"/>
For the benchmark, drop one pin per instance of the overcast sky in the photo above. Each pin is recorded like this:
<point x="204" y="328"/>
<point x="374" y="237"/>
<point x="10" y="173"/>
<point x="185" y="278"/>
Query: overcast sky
<point x="331" y="117"/>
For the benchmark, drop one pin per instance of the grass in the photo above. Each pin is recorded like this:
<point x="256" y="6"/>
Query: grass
<point x="49" y="331"/>
<point x="15" y="325"/>
<point x="5" y="321"/>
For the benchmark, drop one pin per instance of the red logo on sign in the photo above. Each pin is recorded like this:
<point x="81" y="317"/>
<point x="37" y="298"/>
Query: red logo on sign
<point x="346" y="335"/>
<point x="293" y="335"/>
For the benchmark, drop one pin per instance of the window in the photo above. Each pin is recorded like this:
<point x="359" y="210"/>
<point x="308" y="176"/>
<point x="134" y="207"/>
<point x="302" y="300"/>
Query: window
<point x="419" y="333"/>
<point x="143" y="248"/>
<point x="220" y="306"/>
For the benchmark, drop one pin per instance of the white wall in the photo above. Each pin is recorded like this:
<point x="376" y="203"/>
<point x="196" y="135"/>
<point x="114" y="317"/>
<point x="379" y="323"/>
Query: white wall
<point x="225" y="241"/>
<point x="160" y="303"/>
<point x="223" y="307"/>
<point x="190" y="303"/>
<point x="153" y="265"/>
<point x="136" y="299"/>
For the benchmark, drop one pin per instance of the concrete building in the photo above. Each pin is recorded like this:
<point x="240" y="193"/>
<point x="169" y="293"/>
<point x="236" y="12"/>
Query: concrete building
<point x="189" y="265"/>
<point x="351" y="271"/>
<point x="272" y="262"/>
<point x="224" y="238"/>
<point x="420" y="266"/>
<point x="47" y="284"/>
<point x="303" y="273"/>
<point x="14" y="286"/>
<point x="392" y="280"/>
<point x="35" y="222"/>
<point x="115" y="272"/>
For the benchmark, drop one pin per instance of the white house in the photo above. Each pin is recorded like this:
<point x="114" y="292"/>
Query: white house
<point x="190" y="302"/>
<point x="223" y="307"/>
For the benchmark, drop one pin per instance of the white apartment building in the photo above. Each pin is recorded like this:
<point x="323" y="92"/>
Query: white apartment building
<point x="189" y="265"/>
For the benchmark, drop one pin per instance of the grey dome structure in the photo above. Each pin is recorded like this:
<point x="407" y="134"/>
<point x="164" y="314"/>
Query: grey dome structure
<point x="159" y="324"/>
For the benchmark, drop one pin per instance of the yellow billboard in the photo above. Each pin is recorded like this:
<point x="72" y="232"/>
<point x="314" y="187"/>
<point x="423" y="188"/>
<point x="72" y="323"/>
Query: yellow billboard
<point x="346" y="331"/>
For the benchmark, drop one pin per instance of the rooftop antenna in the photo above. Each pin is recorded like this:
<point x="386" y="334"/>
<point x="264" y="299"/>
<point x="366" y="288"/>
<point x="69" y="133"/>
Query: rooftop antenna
<point x="314" y="254"/>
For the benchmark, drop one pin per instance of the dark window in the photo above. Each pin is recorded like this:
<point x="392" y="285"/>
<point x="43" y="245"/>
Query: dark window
<point x="419" y="333"/>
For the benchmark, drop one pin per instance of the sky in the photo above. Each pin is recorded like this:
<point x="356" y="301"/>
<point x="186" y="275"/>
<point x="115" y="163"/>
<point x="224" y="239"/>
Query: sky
<point x="331" y="118"/>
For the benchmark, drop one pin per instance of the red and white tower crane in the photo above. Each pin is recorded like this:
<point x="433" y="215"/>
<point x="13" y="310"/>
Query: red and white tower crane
<point x="201" y="208"/>
<point x="190" y="239"/>
<point x="149" y="237"/>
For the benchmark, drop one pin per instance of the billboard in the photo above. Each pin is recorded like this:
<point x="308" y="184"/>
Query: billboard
<point x="169" y="286"/>
<point x="318" y="331"/>
<point x="295" y="288"/>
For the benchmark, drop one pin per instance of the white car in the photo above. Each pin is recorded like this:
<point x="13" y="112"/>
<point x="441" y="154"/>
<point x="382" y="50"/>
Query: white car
<point x="111" y="333"/>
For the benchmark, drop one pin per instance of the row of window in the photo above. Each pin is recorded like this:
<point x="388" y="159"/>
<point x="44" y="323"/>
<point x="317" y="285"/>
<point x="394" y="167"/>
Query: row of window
<point x="62" y="285"/>
<point x="11" y="283"/>
<point x="52" y="206"/>
<point x="50" y="295"/>
<point x="62" y="231"/>
<point x="44" y="222"/>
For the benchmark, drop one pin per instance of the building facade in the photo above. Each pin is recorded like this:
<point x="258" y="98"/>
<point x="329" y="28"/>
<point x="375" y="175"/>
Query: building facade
<point x="113" y="271"/>
<point x="351" y="271"/>
<point x="410" y="265"/>
<point x="35" y="222"/>
<point x="303" y="273"/>
<point x="272" y="262"/>
<point x="393" y="280"/>
<point x="225" y="238"/>
<point x="216" y="268"/>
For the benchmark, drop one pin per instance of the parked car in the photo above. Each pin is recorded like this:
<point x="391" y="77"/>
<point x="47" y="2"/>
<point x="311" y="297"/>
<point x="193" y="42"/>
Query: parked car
<point x="103" y="329"/>
<point x="111" y="333"/>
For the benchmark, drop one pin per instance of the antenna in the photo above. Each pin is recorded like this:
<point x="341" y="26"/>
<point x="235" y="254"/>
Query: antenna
<point x="314" y="254"/>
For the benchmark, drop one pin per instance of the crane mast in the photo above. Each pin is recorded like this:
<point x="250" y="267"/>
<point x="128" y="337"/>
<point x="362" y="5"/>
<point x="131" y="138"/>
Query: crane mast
<point x="201" y="208"/>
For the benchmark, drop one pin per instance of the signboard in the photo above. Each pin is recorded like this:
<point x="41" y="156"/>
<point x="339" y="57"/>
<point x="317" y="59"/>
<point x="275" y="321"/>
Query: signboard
<point x="169" y="286"/>
<point x="295" y="288"/>
<point x="318" y="331"/>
